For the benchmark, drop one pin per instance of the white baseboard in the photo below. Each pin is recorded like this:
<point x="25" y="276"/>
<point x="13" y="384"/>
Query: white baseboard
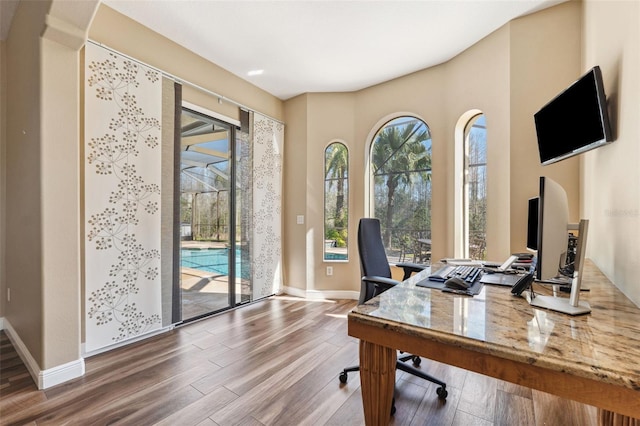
<point x="321" y="294"/>
<point x="1" y="323"/>
<point x="43" y="378"/>
<point x="296" y="292"/>
<point x="61" y="373"/>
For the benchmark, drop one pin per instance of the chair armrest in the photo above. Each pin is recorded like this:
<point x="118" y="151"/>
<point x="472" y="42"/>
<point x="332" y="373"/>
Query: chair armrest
<point x="374" y="285"/>
<point x="410" y="268"/>
<point x="385" y="283"/>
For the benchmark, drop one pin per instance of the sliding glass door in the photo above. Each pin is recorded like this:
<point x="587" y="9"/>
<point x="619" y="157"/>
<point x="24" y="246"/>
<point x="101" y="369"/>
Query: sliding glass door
<point x="214" y="249"/>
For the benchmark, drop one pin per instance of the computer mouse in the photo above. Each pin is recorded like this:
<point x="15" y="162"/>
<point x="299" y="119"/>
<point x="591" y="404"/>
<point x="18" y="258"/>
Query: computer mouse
<point x="456" y="283"/>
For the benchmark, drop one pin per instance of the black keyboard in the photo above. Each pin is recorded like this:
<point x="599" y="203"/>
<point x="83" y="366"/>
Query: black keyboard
<point x="468" y="273"/>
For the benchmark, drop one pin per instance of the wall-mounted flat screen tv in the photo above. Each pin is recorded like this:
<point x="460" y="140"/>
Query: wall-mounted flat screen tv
<point x="575" y="121"/>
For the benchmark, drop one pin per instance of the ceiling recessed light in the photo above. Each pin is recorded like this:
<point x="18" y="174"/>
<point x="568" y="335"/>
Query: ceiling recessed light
<point x="255" y="72"/>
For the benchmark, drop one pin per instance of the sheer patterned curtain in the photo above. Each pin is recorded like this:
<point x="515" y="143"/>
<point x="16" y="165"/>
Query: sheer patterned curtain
<point x="123" y="207"/>
<point x="129" y="190"/>
<point x="268" y="141"/>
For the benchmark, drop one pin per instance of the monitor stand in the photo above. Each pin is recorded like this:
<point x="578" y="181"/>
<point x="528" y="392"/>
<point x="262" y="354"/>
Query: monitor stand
<point x="560" y="304"/>
<point x="572" y="305"/>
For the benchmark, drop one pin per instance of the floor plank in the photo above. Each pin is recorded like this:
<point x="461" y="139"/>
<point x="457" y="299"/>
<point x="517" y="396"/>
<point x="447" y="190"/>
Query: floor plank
<point x="513" y="409"/>
<point x="551" y="410"/>
<point x="275" y="362"/>
<point x="479" y="396"/>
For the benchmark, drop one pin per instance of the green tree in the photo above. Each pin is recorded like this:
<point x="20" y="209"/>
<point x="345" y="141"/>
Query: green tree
<point x="399" y="155"/>
<point x="476" y="175"/>
<point x="336" y="169"/>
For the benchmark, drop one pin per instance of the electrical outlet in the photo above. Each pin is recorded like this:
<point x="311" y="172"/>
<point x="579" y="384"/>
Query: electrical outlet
<point x="329" y="270"/>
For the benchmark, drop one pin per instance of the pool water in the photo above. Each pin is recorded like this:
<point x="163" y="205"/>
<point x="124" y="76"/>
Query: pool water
<point x="335" y="256"/>
<point x="214" y="260"/>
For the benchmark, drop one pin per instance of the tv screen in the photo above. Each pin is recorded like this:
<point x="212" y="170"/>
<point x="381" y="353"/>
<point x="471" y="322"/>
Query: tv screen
<point x="575" y="121"/>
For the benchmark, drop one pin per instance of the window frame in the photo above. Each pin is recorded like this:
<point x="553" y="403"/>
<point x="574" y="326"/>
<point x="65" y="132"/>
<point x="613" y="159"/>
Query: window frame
<point x="369" y="199"/>
<point x="466" y="205"/>
<point x="347" y="206"/>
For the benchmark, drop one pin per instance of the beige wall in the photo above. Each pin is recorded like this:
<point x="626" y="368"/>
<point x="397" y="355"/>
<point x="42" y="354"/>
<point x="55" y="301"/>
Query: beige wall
<point x="420" y="94"/>
<point x="23" y="173"/>
<point x="337" y="109"/>
<point x="611" y="174"/>
<point x="60" y="209"/>
<point x="295" y="193"/>
<point x="3" y="166"/>
<point x="479" y="79"/>
<point x="42" y="183"/>
<point x="545" y="59"/>
<point x="508" y="76"/>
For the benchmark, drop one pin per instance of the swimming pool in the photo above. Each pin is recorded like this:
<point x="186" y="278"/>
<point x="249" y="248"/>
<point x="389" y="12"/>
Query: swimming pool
<point x="214" y="260"/>
<point x="335" y="256"/>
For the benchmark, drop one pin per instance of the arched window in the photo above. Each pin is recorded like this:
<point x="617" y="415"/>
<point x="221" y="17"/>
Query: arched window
<point x="336" y="201"/>
<point x="475" y="186"/>
<point x="400" y="166"/>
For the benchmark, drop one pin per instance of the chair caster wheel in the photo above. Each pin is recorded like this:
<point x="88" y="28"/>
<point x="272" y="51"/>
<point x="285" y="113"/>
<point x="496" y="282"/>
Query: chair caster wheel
<point x="416" y="360"/>
<point x="343" y="377"/>
<point x="442" y="393"/>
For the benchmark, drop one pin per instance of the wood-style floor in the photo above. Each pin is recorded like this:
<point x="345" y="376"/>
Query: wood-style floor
<point x="275" y="362"/>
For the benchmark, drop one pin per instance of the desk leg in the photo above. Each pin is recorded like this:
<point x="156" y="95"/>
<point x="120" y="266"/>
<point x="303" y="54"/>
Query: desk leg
<point x="610" y="418"/>
<point x="377" y="380"/>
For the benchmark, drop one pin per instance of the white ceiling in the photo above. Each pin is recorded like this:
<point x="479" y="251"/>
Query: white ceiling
<point x="318" y="45"/>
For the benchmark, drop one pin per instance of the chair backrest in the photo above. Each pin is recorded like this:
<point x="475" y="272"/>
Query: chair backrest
<point x="373" y="259"/>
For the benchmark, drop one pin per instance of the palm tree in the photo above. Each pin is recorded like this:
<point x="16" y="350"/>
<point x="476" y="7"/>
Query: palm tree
<point x="336" y="166"/>
<point x="399" y="152"/>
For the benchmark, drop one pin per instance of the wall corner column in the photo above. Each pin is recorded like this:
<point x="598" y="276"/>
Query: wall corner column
<point x="64" y="35"/>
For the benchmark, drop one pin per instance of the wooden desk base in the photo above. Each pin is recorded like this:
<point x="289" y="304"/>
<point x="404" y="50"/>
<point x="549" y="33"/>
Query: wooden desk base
<point x="377" y="375"/>
<point x="612" y="419"/>
<point x="377" y="380"/>
<point x="591" y="359"/>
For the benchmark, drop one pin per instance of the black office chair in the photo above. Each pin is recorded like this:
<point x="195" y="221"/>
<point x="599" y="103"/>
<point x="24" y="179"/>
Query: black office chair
<point x="376" y="278"/>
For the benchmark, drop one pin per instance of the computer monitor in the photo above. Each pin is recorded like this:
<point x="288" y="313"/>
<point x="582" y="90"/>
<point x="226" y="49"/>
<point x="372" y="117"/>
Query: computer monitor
<point x="552" y="245"/>
<point x="532" y="224"/>
<point x="553" y="221"/>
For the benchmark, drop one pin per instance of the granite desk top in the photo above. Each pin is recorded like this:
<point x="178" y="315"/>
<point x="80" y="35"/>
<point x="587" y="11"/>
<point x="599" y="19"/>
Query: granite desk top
<point x="603" y="345"/>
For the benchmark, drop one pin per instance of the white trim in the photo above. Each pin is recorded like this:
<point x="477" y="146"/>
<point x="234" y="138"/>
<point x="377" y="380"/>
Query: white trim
<point x="460" y="212"/>
<point x="44" y="378"/>
<point x="1" y="323"/>
<point x="332" y="294"/>
<point x="61" y="373"/>
<point x="23" y="352"/>
<point x="324" y="199"/>
<point x="126" y="342"/>
<point x="368" y="179"/>
<point x="292" y="291"/>
<point x="322" y="294"/>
